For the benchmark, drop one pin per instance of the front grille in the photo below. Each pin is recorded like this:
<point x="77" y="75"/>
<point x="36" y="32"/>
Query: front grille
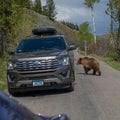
<point x="37" y="77"/>
<point x="37" y="65"/>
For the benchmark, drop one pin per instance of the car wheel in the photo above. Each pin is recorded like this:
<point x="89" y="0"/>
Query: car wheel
<point x="12" y="92"/>
<point x="73" y="76"/>
<point x="71" y="88"/>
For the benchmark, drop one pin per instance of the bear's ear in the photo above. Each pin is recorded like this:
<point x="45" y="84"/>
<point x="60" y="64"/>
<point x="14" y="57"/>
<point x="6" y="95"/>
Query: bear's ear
<point x="80" y="59"/>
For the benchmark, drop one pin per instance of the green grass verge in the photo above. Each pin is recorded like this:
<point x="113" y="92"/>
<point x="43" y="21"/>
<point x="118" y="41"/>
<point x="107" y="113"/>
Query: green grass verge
<point x="3" y="85"/>
<point x="3" y="81"/>
<point x="114" y="64"/>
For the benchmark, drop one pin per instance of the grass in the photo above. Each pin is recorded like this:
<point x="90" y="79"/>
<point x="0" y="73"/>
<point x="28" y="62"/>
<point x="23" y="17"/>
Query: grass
<point x="110" y="61"/>
<point x="3" y="81"/>
<point x="114" y="64"/>
<point x="3" y="85"/>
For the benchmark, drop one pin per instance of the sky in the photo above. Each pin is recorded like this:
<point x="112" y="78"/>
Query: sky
<point x="76" y="12"/>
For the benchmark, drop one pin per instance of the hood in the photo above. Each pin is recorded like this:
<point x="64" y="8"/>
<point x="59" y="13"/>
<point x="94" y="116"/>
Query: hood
<point x="30" y="55"/>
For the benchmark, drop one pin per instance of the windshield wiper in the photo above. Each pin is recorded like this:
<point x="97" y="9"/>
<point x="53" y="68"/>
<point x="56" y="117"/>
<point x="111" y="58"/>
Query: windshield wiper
<point x="52" y="49"/>
<point x="46" y="49"/>
<point x="24" y="51"/>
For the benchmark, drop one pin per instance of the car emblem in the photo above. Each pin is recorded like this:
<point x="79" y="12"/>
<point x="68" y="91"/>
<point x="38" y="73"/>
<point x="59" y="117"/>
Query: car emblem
<point x="37" y="64"/>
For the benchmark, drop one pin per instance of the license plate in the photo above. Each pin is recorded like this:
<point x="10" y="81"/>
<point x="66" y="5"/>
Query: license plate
<point x="38" y="82"/>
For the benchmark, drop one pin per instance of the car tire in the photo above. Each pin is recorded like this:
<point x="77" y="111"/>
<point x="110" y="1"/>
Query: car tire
<point x="70" y="88"/>
<point x="12" y="92"/>
<point x="73" y="76"/>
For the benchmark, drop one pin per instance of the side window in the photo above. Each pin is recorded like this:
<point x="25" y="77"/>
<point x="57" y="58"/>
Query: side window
<point x="67" y="42"/>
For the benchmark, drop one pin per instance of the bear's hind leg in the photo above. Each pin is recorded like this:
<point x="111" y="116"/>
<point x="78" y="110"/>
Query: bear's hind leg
<point x="99" y="72"/>
<point x="94" y="72"/>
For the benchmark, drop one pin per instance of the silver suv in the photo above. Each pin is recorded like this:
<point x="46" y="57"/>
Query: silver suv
<point x="39" y="63"/>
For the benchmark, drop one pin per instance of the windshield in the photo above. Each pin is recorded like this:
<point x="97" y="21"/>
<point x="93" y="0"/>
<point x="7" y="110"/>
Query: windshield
<point x="38" y="44"/>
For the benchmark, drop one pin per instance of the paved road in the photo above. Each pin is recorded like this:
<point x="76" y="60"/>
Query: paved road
<point x="94" y="97"/>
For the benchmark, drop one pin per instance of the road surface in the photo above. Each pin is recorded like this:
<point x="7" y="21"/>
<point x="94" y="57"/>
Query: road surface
<point x="94" y="97"/>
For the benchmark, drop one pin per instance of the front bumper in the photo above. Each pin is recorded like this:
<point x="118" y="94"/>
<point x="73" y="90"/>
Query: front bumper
<point x="52" y="79"/>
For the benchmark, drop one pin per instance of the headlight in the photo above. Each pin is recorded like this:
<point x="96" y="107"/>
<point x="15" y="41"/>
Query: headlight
<point x="11" y="65"/>
<point x="64" y="61"/>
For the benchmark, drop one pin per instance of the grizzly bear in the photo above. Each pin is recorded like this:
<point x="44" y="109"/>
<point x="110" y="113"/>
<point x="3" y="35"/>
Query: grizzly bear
<point x="88" y="64"/>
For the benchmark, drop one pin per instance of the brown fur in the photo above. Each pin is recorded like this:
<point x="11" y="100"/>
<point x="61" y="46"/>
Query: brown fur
<point x="88" y="64"/>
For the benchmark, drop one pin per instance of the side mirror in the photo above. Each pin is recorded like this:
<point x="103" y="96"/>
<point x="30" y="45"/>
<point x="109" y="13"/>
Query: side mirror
<point x="71" y="47"/>
<point x="11" y="52"/>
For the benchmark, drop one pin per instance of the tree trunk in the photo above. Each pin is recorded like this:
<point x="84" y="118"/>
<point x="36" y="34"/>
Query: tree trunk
<point x="2" y="43"/>
<point x="94" y="26"/>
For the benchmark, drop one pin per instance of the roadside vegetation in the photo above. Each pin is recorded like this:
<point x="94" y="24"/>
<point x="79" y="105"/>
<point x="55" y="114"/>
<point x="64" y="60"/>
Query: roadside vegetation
<point x="3" y="81"/>
<point x="114" y="64"/>
<point x="109" y="60"/>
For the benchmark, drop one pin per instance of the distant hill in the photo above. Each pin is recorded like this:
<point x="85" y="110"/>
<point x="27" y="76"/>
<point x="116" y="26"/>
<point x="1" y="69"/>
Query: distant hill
<point x="30" y="19"/>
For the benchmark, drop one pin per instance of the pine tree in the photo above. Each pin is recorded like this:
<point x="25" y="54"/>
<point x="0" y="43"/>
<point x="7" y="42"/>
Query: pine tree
<point x="7" y="22"/>
<point x="50" y="7"/>
<point x="5" y="13"/>
<point x="24" y="3"/>
<point x="38" y="6"/>
<point x="44" y="11"/>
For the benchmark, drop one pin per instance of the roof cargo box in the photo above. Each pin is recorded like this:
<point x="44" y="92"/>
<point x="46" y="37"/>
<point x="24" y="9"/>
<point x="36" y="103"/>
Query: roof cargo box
<point x="45" y="30"/>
